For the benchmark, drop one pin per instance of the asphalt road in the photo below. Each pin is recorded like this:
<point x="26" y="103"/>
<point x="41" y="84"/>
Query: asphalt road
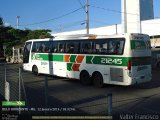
<point x="70" y="97"/>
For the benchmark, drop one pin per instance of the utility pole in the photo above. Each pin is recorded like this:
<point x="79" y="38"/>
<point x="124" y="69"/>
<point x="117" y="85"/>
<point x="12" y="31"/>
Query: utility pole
<point x="116" y="30"/>
<point x="124" y="16"/>
<point x="87" y="18"/>
<point x="18" y="21"/>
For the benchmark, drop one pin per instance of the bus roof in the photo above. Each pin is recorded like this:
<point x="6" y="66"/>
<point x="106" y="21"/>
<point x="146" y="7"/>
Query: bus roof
<point x="84" y="36"/>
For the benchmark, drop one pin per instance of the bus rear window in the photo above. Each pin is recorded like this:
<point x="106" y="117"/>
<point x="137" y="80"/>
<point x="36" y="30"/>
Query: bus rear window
<point x="139" y="44"/>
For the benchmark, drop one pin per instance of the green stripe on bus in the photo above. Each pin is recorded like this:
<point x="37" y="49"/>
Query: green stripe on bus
<point x="118" y="61"/>
<point x="69" y="66"/>
<point x="59" y="58"/>
<point x="104" y="60"/>
<point x="73" y="58"/>
<point x="89" y="59"/>
<point x="49" y="57"/>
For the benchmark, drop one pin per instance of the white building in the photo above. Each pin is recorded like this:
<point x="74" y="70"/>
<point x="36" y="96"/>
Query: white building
<point x="150" y="27"/>
<point x="133" y="12"/>
<point x="137" y="17"/>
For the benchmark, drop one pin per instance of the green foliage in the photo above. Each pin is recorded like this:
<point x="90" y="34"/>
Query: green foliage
<point x="36" y="34"/>
<point x="11" y="36"/>
<point x="8" y="51"/>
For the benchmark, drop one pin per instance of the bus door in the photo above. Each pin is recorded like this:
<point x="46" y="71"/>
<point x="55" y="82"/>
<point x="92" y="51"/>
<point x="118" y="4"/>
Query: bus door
<point x="26" y="54"/>
<point x="59" y="66"/>
<point x="41" y="56"/>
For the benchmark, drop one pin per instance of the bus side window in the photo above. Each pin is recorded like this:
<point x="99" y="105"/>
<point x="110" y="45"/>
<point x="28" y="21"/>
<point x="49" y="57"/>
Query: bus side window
<point x="116" y="47"/>
<point x="97" y="50"/>
<point x="54" y="48"/>
<point x="40" y="49"/>
<point x="61" y="47"/>
<point x="113" y="47"/>
<point x="105" y="48"/>
<point x="47" y="47"/>
<point x="36" y="47"/>
<point x="100" y="46"/>
<point x="72" y="47"/>
<point x="121" y="45"/>
<point x="86" y="47"/>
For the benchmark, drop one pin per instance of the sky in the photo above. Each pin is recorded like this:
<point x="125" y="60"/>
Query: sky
<point x="62" y="15"/>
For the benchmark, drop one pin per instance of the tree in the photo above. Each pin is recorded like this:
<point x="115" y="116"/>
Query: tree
<point x="36" y="34"/>
<point x="1" y="22"/>
<point x="11" y="36"/>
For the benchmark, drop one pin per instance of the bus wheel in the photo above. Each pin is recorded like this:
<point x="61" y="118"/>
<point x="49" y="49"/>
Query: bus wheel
<point x="85" y="78"/>
<point x="35" y="70"/>
<point x="98" y="80"/>
<point x="158" y="65"/>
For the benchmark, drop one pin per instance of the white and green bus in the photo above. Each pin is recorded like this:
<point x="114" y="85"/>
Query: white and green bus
<point x="119" y="59"/>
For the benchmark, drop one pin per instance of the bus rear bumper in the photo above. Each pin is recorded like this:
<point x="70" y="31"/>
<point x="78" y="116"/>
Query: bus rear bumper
<point x="141" y="79"/>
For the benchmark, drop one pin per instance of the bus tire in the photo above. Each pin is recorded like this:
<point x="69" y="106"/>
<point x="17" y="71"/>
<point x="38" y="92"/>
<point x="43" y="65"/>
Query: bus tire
<point x="85" y="78"/>
<point x="158" y="66"/>
<point x="35" y="70"/>
<point x="97" y="80"/>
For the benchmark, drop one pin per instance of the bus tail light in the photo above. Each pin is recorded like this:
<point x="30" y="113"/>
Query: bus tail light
<point x="129" y="65"/>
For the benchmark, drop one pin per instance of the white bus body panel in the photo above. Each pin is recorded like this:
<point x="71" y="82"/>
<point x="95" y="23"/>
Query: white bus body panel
<point x="112" y="74"/>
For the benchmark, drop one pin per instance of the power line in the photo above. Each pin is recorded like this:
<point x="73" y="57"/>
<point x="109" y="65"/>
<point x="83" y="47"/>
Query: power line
<point x="53" y="18"/>
<point x="116" y="11"/>
<point x="83" y="6"/>
<point x="66" y="26"/>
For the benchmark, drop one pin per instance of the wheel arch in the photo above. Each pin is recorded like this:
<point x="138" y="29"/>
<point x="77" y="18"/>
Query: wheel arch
<point x="97" y="82"/>
<point x="84" y="70"/>
<point x="97" y="72"/>
<point x="85" y="77"/>
<point x="36" y="67"/>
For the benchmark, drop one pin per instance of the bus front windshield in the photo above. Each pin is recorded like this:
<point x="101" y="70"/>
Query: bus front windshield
<point x="26" y="52"/>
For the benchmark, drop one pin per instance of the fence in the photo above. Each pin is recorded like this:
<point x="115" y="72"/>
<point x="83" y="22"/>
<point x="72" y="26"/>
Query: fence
<point x="12" y="88"/>
<point x="20" y="87"/>
<point x="2" y="79"/>
<point x="48" y="95"/>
